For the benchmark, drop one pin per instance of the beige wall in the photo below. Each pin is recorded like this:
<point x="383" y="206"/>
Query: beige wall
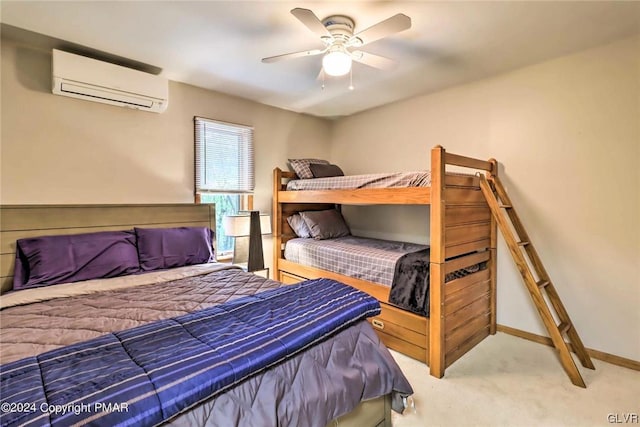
<point x="60" y="150"/>
<point x="566" y="133"/>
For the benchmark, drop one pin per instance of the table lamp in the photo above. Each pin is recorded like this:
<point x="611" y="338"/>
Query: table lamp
<point x="247" y="230"/>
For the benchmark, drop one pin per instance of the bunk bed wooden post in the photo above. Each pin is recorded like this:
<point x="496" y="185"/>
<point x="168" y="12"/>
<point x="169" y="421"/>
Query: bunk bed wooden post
<point x="436" y="344"/>
<point x="276" y="217"/>
<point x="493" y="261"/>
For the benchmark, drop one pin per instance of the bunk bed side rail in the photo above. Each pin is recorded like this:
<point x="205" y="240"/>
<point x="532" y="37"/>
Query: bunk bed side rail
<point x="287" y="174"/>
<point x="360" y="196"/>
<point x="467" y="162"/>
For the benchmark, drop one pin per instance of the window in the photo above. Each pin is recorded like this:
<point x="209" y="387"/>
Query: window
<point x="224" y="171"/>
<point x="226" y="204"/>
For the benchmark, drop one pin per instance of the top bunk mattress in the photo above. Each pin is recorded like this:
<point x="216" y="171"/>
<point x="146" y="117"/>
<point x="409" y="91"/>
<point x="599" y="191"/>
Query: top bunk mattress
<point x="375" y="180"/>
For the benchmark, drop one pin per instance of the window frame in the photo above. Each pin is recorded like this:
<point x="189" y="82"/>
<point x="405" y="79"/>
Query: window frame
<point x="246" y="198"/>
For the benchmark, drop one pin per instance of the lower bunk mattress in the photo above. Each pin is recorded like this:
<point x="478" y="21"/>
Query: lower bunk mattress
<point x="58" y="347"/>
<point x="402" y="266"/>
<point x="373" y="260"/>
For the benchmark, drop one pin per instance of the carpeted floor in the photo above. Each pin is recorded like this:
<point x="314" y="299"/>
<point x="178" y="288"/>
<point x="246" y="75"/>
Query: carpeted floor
<point x="509" y="381"/>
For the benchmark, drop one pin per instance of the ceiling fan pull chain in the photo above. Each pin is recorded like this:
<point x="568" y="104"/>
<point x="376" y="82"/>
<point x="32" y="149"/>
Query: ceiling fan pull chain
<point x="351" y="79"/>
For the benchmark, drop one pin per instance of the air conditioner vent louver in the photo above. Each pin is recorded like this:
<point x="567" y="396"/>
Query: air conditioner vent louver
<point x="85" y="78"/>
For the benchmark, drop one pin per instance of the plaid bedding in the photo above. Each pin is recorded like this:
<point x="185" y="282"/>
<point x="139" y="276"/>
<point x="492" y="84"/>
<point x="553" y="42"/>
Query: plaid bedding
<point x="376" y="180"/>
<point x="145" y="375"/>
<point x="373" y="260"/>
<point x="402" y="266"/>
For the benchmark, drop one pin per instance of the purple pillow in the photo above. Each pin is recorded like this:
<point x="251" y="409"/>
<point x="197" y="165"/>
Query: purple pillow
<point x="160" y="248"/>
<point x="49" y="260"/>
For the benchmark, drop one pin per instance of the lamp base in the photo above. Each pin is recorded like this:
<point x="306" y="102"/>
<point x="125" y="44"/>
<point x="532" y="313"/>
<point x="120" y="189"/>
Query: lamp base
<point x="256" y="255"/>
<point x="247" y="250"/>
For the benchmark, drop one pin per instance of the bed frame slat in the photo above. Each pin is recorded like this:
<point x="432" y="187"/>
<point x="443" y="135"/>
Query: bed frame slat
<point x="361" y="196"/>
<point x="76" y="216"/>
<point x="460" y="215"/>
<point x="467" y="162"/>
<point x="460" y="351"/>
<point x="457" y="336"/>
<point x="404" y="347"/>
<point x="461" y="317"/>
<point x="465" y="248"/>
<point x="466" y="261"/>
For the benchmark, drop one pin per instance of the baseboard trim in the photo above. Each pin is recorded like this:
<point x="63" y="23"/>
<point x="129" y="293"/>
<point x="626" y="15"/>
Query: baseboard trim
<point x="596" y="354"/>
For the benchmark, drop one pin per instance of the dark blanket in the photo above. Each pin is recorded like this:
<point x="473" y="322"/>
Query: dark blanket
<point x="410" y="287"/>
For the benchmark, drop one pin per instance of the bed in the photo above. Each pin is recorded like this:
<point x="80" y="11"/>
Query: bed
<point x="105" y="318"/>
<point x="462" y="235"/>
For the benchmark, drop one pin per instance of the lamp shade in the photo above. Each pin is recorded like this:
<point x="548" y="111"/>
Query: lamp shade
<point x="240" y="224"/>
<point x="337" y="62"/>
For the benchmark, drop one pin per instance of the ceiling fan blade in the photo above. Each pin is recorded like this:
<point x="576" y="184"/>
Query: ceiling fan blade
<point x="395" y="24"/>
<point x="375" y="61"/>
<point x="311" y="21"/>
<point x="293" y="55"/>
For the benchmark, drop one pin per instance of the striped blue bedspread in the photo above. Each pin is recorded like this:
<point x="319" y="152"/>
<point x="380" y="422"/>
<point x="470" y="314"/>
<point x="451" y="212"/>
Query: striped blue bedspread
<point x="146" y="375"/>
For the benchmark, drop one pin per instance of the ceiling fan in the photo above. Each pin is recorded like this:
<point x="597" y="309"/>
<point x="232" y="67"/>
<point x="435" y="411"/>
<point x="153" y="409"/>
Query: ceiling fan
<point x="341" y="45"/>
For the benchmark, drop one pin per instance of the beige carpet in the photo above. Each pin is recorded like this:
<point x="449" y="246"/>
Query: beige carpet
<point x="509" y="381"/>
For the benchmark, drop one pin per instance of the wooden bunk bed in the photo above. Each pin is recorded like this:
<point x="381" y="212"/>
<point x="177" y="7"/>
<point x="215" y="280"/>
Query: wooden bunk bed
<point x="462" y="234"/>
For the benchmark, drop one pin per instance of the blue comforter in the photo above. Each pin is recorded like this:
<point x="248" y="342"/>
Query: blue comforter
<point x="148" y="374"/>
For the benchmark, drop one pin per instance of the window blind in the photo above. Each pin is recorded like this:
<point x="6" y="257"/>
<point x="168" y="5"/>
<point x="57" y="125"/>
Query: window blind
<point x="224" y="157"/>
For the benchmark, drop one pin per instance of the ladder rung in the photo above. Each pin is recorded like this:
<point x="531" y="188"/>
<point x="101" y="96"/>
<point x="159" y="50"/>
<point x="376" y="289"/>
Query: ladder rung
<point x="564" y="327"/>
<point x="505" y="206"/>
<point x="523" y="243"/>
<point x="543" y="283"/>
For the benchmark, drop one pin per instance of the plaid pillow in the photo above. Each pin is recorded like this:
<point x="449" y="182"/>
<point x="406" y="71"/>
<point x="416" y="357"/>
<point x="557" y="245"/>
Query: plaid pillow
<point x="301" y="166"/>
<point x="299" y="226"/>
<point x="327" y="224"/>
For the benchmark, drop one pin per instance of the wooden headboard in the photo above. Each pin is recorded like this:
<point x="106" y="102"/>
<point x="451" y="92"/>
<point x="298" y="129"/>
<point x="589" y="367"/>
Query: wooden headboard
<point x="17" y="222"/>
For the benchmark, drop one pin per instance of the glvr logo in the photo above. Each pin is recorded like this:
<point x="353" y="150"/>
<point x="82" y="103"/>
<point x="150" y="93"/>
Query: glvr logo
<point x="624" y="418"/>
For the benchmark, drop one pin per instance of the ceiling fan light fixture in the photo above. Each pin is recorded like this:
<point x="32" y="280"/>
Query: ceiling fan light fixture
<point x="336" y="63"/>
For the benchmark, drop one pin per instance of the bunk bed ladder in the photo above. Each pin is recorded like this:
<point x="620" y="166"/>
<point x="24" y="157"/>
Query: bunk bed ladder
<point x="539" y="285"/>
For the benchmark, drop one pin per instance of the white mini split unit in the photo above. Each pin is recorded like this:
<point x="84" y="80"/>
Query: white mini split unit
<point x="92" y="80"/>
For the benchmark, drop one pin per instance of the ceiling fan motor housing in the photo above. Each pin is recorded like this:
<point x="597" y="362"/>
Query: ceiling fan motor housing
<point x="341" y="29"/>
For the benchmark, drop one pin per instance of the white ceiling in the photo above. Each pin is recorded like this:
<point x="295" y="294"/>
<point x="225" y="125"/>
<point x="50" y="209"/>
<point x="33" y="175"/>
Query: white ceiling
<point x="218" y="44"/>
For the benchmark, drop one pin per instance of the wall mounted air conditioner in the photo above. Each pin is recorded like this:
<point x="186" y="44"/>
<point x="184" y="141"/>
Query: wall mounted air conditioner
<point x="85" y="78"/>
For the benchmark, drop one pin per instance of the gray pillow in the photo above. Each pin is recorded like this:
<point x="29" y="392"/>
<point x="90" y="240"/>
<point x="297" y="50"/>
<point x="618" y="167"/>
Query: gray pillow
<point x="301" y="166"/>
<point x="324" y="171"/>
<point x="299" y="226"/>
<point x="327" y="224"/>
